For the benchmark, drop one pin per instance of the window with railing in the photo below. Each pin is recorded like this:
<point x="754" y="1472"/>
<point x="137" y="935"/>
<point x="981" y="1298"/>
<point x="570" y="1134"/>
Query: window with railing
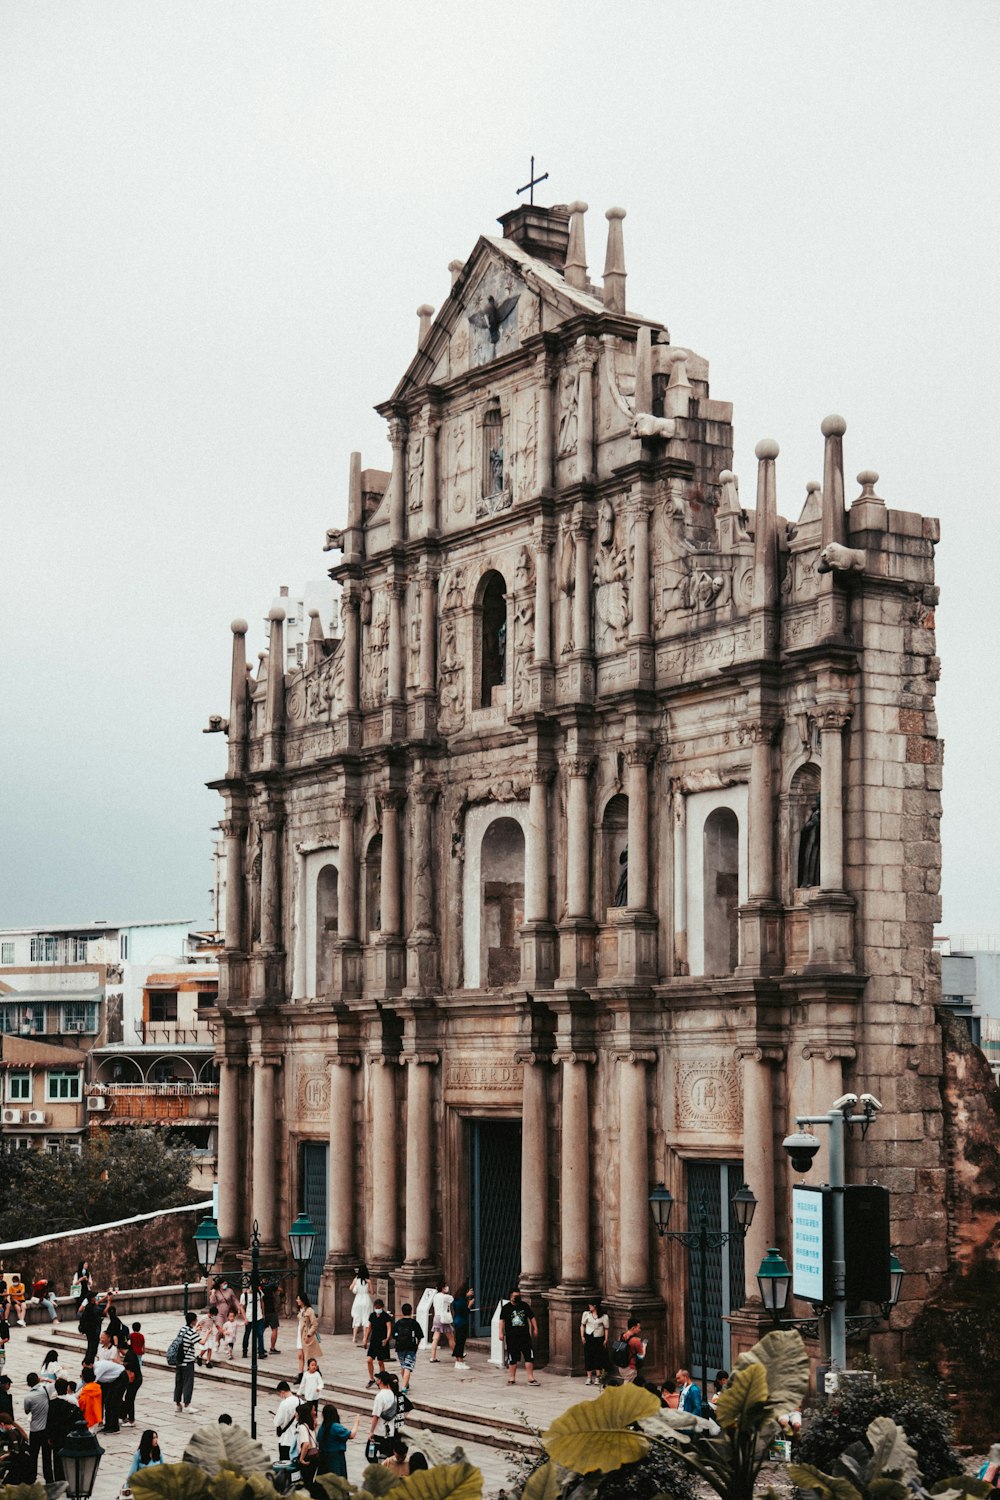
<point x="6" y="953"/>
<point x="78" y="1016"/>
<point x="22" y="1020"/>
<point x="162" y="1006"/>
<point x="43" y="950"/>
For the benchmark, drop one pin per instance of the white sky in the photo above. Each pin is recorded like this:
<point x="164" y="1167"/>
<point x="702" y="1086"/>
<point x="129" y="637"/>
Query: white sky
<point x="218" y="219"/>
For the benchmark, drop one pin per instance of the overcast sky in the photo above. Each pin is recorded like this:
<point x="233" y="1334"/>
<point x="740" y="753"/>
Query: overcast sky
<point x="219" y="217"/>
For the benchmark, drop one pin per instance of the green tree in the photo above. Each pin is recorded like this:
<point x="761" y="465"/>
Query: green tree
<point x="120" y="1172"/>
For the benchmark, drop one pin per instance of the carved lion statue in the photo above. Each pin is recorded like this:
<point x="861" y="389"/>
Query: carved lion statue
<point x="648" y="426"/>
<point x="334" y="541"/>
<point x="838" y="559"/>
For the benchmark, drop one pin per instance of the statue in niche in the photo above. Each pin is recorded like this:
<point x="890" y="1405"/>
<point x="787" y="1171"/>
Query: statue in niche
<point x="566" y="579"/>
<point x="414" y="662"/>
<point x="452" y="679"/>
<point x="453" y="594"/>
<point x="254" y="862"/>
<point x="457" y="466"/>
<point x="366" y="605"/>
<point x="568" y="411"/>
<point x="522" y="573"/>
<point x="375" y="660"/>
<point x="620" y="897"/>
<point x="611" y="595"/>
<point x="415" y="472"/>
<point x="808" y="868"/>
<point x="496" y="467"/>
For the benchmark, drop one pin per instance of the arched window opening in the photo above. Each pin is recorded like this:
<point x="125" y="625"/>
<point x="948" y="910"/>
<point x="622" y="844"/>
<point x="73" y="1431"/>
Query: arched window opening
<point x="502" y="902"/>
<point x="803" y="827"/>
<point x="493" y="637"/>
<point x="326" y="926"/>
<point x="722" y="900"/>
<point x="614" y="850"/>
<point x="372" y="876"/>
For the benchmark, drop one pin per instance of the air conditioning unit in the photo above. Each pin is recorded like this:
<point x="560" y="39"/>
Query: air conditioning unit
<point x="75" y="1025"/>
<point x="12" y="1117"/>
<point x="37" y="1117"/>
<point x="96" y="1102"/>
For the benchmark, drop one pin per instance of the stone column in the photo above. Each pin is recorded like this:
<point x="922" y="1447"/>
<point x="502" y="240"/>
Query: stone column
<point x="238" y="701"/>
<point x="536" y="887"/>
<point x="392" y="921"/>
<point x="680" y="879"/>
<point x="761" y="808"/>
<point x="351" y="649"/>
<point x="545" y="414"/>
<point x="639" y="625"/>
<point x="340" y="1203"/>
<point x="430" y="505"/>
<point x="638" y="758"/>
<point x="832" y="720"/>
<point x="397" y="593"/>
<point x="758" y="1155"/>
<point x="581" y="584"/>
<point x="397" y="482"/>
<point x="419" y="1185"/>
<point x="264" y="1188"/>
<point x="578" y="831"/>
<point x="270" y="884"/>
<point x="543" y="604"/>
<point x="534" y="1168"/>
<point x="384" y="1233"/>
<point x="575" y="1170"/>
<point x="585" y="437"/>
<point x="235" y="835"/>
<point x="274" y="696"/>
<point x="347" y="877"/>
<point x="428" y="634"/>
<point x="423" y="794"/>
<point x="633" y="1169"/>
<point x="230" y="1166"/>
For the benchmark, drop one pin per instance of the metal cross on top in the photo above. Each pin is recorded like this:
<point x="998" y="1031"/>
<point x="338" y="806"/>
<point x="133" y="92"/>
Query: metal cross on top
<point x="529" y="187"/>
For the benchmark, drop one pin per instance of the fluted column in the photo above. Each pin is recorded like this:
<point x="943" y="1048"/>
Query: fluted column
<point x="581" y="584"/>
<point x="428" y="634"/>
<point x="585" y="439"/>
<point x="419" y="1184"/>
<point x="238" y="700"/>
<point x="543" y="604"/>
<point x="536" y="903"/>
<point x="347" y="877"/>
<point x="397" y="593"/>
<point x="639" y="625"/>
<point x="340" y="1203"/>
<point x="578" y="836"/>
<point x="234" y="833"/>
<point x="397" y="482"/>
<point x="534" y="1166"/>
<point x="351" y="649"/>
<point x="270" y="884"/>
<point x="384" y="1230"/>
<point x="638" y="758"/>
<point x="545" y="419"/>
<point x="832" y="720"/>
<point x="430" y="491"/>
<point x="264" y="1193"/>
<point x="390" y="872"/>
<point x="758" y="1155"/>
<point x="230" y="1166"/>
<point x="575" y="1174"/>
<point x="633" y="1170"/>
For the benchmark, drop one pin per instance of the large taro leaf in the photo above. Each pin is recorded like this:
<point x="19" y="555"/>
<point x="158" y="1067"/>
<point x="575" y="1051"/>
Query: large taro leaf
<point x="888" y="1489"/>
<point x="378" y="1481"/>
<point x="220" y="1446"/>
<point x="170" y="1482"/>
<point x="599" y="1435"/>
<point x="436" y="1450"/>
<point x="54" y="1490"/>
<point x="891" y="1452"/>
<point x="957" y="1485"/>
<point x="443" y="1482"/>
<point x="744" y="1402"/>
<point x="543" y="1484"/>
<point x="786" y="1365"/>
<point x="259" y="1487"/>
<point x="227" y="1485"/>
<point x="334" y="1486"/>
<point x="827" y="1486"/>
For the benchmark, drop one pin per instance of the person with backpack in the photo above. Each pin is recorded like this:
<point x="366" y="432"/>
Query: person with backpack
<point x="629" y="1351"/>
<point x="407" y="1335"/>
<point x="63" y="1417"/>
<point x="182" y="1353"/>
<point x="385" y="1416"/>
<point x="36" y="1405"/>
<point x="594" y="1328"/>
<point x="377" y="1335"/>
<point x="284" y="1420"/>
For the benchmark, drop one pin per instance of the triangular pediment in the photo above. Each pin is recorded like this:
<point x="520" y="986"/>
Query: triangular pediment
<point x="500" y="298"/>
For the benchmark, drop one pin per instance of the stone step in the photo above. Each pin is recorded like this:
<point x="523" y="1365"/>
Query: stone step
<point x="463" y="1427"/>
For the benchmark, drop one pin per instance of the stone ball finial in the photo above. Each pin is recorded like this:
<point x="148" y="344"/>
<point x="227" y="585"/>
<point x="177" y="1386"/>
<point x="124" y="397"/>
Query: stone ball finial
<point x="425" y="310"/>
<point x="239" y="627"/>
<point x="276" y="613"/>
<point x="675" y="356"/>
<point x="455" y="267"/>
<point x="615" y="213"/>
<point x="867" y="477"/>
<point x="833" y="426"/>
<point x="726" y="476"/>
<point x="813" y="486"/>
<point x="767" y="448"/>
<point x="578" y="206"/>
<point x="314" y="614"/>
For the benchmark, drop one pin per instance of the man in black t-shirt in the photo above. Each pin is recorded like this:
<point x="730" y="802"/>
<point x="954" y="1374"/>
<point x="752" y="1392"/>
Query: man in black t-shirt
<point x="408" y="1334"/>
<point x="519" y="1331"/>
<point x="377" y="1335"/>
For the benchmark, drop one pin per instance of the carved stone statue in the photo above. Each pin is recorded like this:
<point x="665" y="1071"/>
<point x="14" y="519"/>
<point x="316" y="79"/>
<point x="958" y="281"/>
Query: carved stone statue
<point x="568" y="408"/>
<point x="620" y="897"/>
<point x="808" y="869"/>
<point x="566" y="579"/>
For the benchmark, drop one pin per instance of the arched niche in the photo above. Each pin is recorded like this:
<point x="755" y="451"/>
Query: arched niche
<point x="701" y="881"/>
<point x="799" y="801"/>
<point x="493" y="893"/>
<point x="326" y="927"/>
<point x="614" y="845"/>
<point x="720" y="874"/>
<point x="312" y="910"/>
<point x="491" y="636"/>
<point x="371" y="886"/>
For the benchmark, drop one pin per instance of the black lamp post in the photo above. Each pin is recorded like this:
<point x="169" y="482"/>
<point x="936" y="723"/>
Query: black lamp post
<point x="80" y="1457"/>
<point x="302" y="1238"/>
<point x="702" y="1239"/>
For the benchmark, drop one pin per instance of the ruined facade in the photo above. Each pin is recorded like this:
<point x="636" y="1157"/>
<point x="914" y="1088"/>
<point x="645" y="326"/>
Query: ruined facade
<point x="531" y="902"/>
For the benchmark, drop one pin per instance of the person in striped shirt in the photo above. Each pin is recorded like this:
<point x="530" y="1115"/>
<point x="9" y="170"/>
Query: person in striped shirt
<point x="184" y="1368"/>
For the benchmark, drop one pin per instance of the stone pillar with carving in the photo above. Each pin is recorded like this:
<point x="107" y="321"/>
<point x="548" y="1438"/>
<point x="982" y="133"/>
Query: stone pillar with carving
<point x="234" y="832"/>
<point x="636" y="926"/>
<point x="633" y="1171"/>
<point x="383" y="1229"/>
<point x="543" y="599"/>
<point x="546" y="414"/>
<point x="274" y="699"/>
<point x="231" y="1168"/>
<point x="761" y="922"/>
<point x="430" y="486"/>
<point x="538" y="938"/>
<point x="535" y="1276"/>
<point x="397" y="596"/>
<point x="271" y="825"/>
<point x="351" y="648"/>
<point x="582" y="612"/>
<point x="422" y="973"/>
<point x="577" y="931"/>
<point x="831" y="908"/>
<point x="679" y="803"/>
<point x="265" y="1197"/>
<point x="397" y="482"/>
<point x="338" y="1270"/>
<point x="758" y="1064"/>
<point x="418" y="1269"/>
<point x="425" y="721"/>
<point x="638" y="517"/>
<point x="347" y="950"/>
<point x="587" y="358"/>
<point x="569" y="1298"/>
<point x="386" y="972"/>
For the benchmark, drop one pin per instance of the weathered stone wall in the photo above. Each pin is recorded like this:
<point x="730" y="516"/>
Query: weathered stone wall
<point x="153" y="1252"/>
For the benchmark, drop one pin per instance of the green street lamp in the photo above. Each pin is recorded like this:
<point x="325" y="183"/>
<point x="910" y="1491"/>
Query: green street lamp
<point x="206" y="1243"/>
<point x="774" y="1280"/>
<point x="896" y="1274"/>
<point x="302" y="1238"/>
<point x="80" y="1457"/>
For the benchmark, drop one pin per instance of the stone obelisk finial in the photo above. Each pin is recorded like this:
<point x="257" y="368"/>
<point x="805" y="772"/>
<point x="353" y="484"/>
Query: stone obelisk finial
<point x="455" y="267"/>
<point x="316" y="642"/>
<point x="238" y="700"/>
<point x="424" y="312"/>
<point x="274" y="701"/>
<point x="576" y="253"/>
<point x="643" y="370"/>
<point x="834" y="520"/>
<point x="614" y="263"/>
<point x="765" y="544"/>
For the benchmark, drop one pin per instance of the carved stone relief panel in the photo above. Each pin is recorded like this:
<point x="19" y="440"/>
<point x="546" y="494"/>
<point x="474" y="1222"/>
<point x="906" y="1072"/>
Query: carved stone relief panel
<point x="491" y="314"/>
<point x="313" y="1094"/>
<point x="709" y="1095"/>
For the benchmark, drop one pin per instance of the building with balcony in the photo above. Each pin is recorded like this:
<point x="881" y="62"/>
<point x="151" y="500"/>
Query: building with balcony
<point x="43" y="1094"/>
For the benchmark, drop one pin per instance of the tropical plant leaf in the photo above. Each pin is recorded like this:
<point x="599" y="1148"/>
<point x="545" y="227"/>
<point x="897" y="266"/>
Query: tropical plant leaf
<point x="664" y="1424"/>
<point x="227" y="1485"/>
<point x="182" y="1481"/>
<point x="378" y="1481"/>
<point x="786" y="1365"/>
<point x="827" y="1486"/>
<point x="37" y="1491"/>
<point x="335" y="1486"/>
<point x="260" y="1487"/>
<point x="443" y="1482"/>
<point x="435" y="1449"/>
<point x="223" y="1447"/>
<point x="599" y="1434"/>
<point x="543" y="1484"/>
<point x="961" y="1484"/>
<point x="744" y="1401"/>
<point x="883" y="1487"/>
<point x="891" y="1450"/>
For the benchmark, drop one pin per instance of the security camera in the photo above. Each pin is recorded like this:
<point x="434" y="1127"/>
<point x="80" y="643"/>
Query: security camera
<point x="846" y="1101"/>
<point x="801" y="1148"/>
<point x="870" y="1102"/>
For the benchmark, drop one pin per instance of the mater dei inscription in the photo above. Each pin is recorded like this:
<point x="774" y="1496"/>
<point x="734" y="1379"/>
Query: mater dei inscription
<point x="471" y="1072"/>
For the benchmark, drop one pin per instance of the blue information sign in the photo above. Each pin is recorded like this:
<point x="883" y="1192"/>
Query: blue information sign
<point x="807" y="1244"/>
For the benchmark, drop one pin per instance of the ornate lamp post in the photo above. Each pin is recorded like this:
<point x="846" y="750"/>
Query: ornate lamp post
<point x="206" y="1246"/>
<point x="302" y="1238"/>
<point x="80" y="1457"/>
<point x="702" y="1239"/>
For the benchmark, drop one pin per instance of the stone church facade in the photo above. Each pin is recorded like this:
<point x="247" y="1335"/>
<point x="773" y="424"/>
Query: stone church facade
<point x="601" y="841"/>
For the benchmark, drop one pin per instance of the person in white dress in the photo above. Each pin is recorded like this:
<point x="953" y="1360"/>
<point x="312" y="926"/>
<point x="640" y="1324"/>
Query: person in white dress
<point x="311" y="1383"/>
<point x="361" y="1307"/>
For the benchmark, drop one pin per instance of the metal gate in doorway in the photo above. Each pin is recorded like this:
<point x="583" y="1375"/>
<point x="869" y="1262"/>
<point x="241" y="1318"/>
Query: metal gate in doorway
<point x="315" y="1155"/>
<point x="495" y="1160"/>
<point x="713" y="1183"/>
